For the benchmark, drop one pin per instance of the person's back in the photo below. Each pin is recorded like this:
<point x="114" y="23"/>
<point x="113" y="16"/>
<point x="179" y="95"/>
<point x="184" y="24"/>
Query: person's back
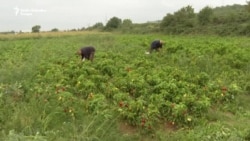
<point x="155" y="45"/>
<point x="87" y="52"/>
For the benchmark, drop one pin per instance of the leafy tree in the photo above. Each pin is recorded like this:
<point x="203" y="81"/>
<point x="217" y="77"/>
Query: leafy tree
<point x="54" y="30"/>
<point x="126" y="25"/>
<point x="180" y="21"/>
<point x="73" y="29"/>
<point x="185" y="16"/>
<point x="205" y="15"/>
<point x="98" y="25"/>
<point x="185" y="12"/>
<point x="113" y="23"/>
<point x="36" y="28"/>
<point x="82" y="29"/>
<point x="168" y="20"/>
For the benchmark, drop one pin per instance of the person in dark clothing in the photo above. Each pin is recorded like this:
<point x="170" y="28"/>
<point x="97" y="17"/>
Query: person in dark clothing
<point x="155" y="45"/>
<point x="86" y="53"/>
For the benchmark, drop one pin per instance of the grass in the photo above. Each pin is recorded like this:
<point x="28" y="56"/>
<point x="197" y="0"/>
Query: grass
<point x="46" y="35"/>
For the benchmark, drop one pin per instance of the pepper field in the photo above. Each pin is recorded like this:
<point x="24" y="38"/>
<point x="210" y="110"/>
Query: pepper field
<point x="195" y="88"/>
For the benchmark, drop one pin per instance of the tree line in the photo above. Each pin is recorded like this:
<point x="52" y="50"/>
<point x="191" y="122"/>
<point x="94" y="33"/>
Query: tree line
<point x="226" y="20"/>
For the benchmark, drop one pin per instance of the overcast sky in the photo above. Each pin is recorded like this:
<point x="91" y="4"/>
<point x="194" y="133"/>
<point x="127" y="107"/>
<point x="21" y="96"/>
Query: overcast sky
<point x="68" y="14"/>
